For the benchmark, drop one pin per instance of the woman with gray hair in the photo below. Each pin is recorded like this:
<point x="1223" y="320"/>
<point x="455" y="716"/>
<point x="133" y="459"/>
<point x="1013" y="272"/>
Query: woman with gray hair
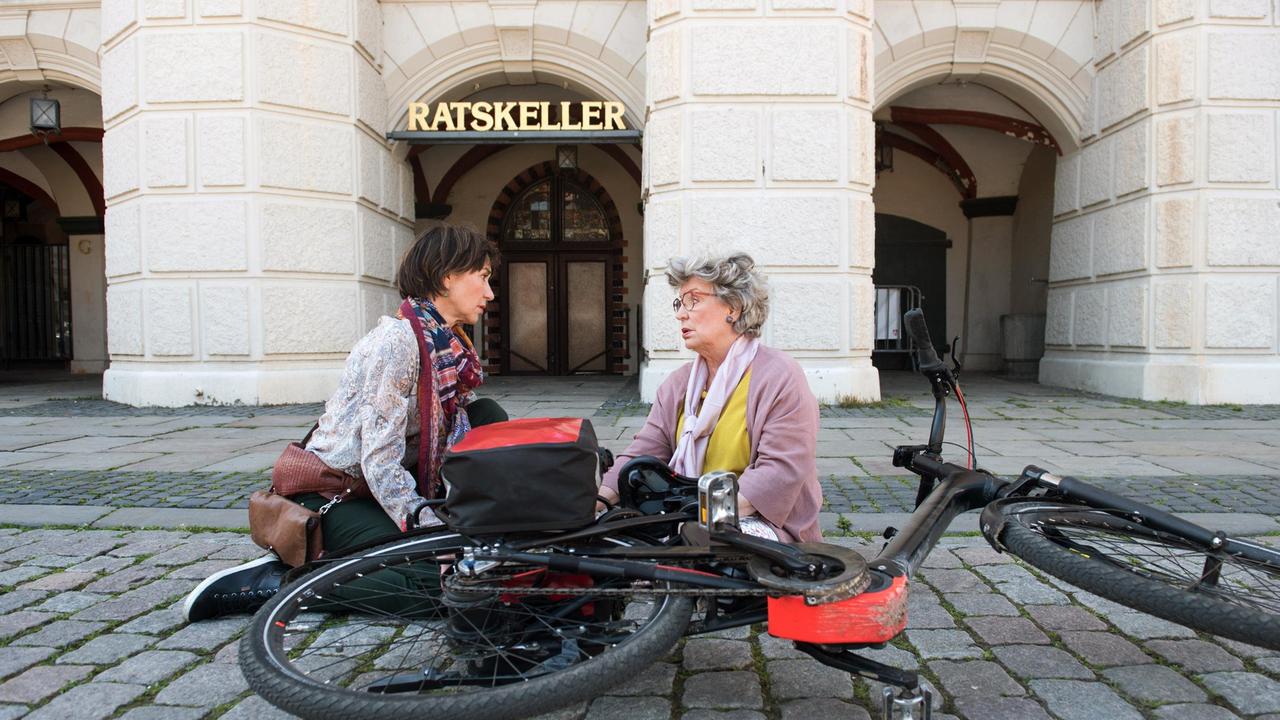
<point x="738" y="406"/>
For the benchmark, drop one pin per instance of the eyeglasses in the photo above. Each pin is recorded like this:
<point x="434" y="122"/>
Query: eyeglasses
<point x="689" y="301"/>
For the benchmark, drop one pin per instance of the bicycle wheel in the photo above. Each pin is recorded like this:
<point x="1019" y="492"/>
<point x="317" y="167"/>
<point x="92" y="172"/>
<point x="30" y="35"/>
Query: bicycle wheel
<point x="322" y="648"/>
<point x="1218" y="592"/>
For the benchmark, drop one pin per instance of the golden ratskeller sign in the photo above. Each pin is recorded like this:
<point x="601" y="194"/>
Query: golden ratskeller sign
<point x="505" y="116"/>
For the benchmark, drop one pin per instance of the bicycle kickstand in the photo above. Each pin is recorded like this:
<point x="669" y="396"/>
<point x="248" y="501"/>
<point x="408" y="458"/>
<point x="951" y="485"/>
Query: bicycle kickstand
<point x="912" y="704"/>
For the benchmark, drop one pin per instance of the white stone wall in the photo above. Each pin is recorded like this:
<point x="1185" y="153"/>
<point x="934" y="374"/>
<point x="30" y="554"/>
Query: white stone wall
<point x="1166" y="245"/>
<point x="254" y="209"/>
<point x="760" y="139"/>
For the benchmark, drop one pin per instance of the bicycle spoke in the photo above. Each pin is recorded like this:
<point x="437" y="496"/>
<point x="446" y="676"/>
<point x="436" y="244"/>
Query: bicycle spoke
<point x="1233" y="579"/>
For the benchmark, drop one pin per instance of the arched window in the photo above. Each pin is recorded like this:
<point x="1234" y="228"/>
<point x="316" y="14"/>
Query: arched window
<point x="556" y="210"/>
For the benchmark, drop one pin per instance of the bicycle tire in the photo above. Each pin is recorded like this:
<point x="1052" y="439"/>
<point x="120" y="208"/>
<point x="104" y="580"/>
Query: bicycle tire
<point x="1156" y="572"/>
<point x="281" y="680"/>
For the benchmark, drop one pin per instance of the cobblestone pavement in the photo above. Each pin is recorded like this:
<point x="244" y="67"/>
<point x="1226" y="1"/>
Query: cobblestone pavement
<point x="89" y="626"/>
<point x="91" y="629"/>
<point x="842" y="493"/>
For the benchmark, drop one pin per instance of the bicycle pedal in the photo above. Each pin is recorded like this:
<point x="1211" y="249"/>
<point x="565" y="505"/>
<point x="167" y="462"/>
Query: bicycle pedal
<point x="914" y="704"/>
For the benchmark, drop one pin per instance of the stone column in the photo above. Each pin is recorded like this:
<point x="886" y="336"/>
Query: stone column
<point x="1165" y="252"/>
<point x="255" y="212"/>
<point x="759" y="138"/>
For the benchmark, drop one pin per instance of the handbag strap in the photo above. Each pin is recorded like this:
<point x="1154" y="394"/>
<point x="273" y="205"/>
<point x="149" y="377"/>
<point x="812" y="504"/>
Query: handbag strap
<point x="425" y="376"/>
<point x="310" y="432"/>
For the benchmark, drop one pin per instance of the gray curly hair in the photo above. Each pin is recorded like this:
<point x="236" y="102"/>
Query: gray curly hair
<point x="736" y="282"/>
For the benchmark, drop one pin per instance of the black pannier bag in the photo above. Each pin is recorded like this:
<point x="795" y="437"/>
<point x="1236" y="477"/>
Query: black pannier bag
<point x="522" y="475"/>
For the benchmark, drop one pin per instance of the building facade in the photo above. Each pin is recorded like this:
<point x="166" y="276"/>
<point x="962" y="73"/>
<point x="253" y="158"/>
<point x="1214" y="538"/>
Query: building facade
<point x="1085" y="187"/>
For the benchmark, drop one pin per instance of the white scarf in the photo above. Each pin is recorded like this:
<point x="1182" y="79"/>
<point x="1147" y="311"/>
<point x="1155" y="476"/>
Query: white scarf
<point x="700" y="415"/>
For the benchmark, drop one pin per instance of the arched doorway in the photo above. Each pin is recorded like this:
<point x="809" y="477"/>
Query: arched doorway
<point x="561" y="241"/>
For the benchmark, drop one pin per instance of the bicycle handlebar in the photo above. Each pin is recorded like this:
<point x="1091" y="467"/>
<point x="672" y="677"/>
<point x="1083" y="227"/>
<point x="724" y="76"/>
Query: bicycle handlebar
<point x="919" y="331"/>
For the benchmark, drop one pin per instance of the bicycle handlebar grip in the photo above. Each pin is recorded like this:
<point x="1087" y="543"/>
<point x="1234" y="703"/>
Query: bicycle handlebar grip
<point x="919" y="332"/>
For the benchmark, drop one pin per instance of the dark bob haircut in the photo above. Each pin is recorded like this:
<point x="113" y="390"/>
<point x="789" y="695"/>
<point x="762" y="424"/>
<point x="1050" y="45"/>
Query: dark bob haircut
<point x="440" y="252"/>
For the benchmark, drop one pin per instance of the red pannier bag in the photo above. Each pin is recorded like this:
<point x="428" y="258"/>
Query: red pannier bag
<point x="522" y="475"/>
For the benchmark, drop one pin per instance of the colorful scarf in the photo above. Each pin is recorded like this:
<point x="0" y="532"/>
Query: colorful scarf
<point x="701" y="414"/>
<point x="455" y="372"/>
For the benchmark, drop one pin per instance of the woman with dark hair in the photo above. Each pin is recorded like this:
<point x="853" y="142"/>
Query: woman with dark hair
<point x="371" y="425"/>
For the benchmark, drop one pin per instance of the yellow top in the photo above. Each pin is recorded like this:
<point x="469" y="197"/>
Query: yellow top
<point x="729" y="447"/>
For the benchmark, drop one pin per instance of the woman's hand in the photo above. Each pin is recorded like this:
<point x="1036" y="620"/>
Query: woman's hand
<point x="609" y="494"/>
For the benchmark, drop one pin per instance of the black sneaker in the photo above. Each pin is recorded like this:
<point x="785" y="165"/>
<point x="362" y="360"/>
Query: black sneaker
<point x="241" y="589"/>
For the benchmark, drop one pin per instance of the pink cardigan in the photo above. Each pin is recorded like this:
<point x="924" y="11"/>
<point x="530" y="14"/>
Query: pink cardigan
<point x="782" y="424"/>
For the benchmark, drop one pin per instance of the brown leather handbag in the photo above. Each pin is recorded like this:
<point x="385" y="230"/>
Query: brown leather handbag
<point x="286" y="528"/>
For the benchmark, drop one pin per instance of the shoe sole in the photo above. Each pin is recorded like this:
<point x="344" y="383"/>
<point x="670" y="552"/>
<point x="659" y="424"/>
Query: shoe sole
<point x="191" y="597"/>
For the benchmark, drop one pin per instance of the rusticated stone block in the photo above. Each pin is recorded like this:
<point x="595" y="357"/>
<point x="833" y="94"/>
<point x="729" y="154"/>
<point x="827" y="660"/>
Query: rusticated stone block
<point x="195" y="235"/>
<point x="1176" y="67"/>
<point x="170" y="76"/>
<point x="120" y="159"/>
<point x="124" y="320"/>
<point x="224" y="315"/>
<point x="123" y="239"/>
<point x="1175" y="231"/>
<point x="1095" y="172"/>
<point x="1174" y="310"/>
<point x="799" y="323"/>
<point x="660" y="331"/>
<point x="369" y="159"/>
<point x="329" y="17"/>
<point x="1232" y="77"/>
<point x="1066" y="184"/>
<point x="661" y="230"/>
<point x="1122" y="87"/>
<point x="377" y="245"/>
<point x="1251" y="9"/>
<point x="306" y="237"/>
<point x="1057" y="329"/>
<point x="812" y="225"/>
<point x="1070" y="249"/>
<point x="220" y="150"/>
<point x="784" y="59"/>
<point x="1127" y="315"/>
<point x="331" y="312"/>
<point x="1242" y="146"/>
<point x="169" y="320"/>
<point x="1130" y="147"/>
<point x="303" y="73"/>
<point x="1240" y="312"/>
<point x="1242" y="231"/>
<point x="662" y="147"/>
<point x="664" y="65"/>
<point x="306" y="155"/>
<point x="120" y="78"/>
<point x="1172" y="11"/>
<point x="1120" y="238"/>
<point x="1175" y="150"/>
<point x="1089" y="316"/>
<point x="164" y="142"/>
<point x="805" y="145"/>
<point x="862" y="232"/>
<point x="723" y="142"/>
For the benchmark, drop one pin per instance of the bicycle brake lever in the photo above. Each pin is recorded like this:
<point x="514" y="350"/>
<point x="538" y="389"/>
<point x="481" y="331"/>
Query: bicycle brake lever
<point x="956" y="365"/>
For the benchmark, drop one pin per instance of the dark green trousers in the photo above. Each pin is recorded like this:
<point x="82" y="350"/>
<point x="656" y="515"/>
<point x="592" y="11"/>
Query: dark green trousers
<point x="353" y="523"/>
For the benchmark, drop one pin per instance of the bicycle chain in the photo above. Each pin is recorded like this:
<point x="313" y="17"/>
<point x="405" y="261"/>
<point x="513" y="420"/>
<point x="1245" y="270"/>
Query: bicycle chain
<point x="640" y="588"/>
<point x="619" y="592"/>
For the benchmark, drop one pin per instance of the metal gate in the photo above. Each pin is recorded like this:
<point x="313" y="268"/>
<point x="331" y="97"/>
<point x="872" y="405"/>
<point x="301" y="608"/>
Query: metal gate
<point x="35" y="303"/>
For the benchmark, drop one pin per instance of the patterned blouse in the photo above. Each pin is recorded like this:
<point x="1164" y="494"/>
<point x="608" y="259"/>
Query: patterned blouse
<point x="370" y="425"/>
